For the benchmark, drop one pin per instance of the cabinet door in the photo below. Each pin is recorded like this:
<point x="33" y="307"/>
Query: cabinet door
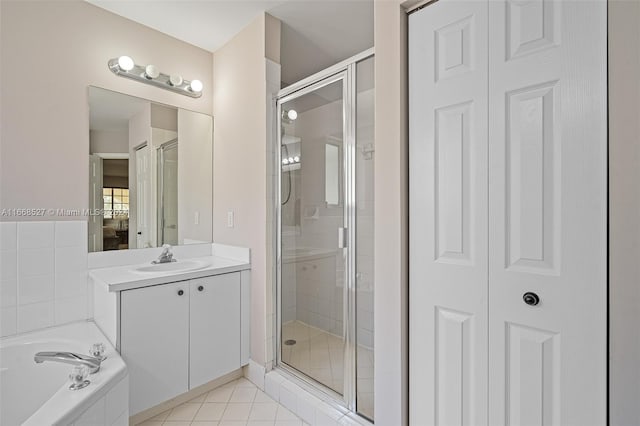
<point x="548" y="212"/>
<point x="448" y="214"/>
<point x="214" y="345"/>
<point x="155" y="342"/>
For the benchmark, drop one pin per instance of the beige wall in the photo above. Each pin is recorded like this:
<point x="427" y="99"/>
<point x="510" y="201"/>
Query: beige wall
<point x="624" y="212"/>
<point x="195" y="177"/>
<point x="109" y="141"/>
<point x="163" y="117"/>
<point x="240" y="157"/>
<point x="391" y="215"/>
<point x="56" y="49"/>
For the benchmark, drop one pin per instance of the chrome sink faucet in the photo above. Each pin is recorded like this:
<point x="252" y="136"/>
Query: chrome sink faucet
<point x="92" y="363"/>
<point x="166" y="256"/>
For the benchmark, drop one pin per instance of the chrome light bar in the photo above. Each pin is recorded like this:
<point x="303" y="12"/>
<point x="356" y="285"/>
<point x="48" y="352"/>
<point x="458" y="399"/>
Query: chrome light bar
<point x="149" y="74"/>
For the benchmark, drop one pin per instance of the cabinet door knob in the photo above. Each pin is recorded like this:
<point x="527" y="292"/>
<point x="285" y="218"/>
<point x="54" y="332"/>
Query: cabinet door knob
<point x="180" y="292"/>
<point x="530" y="298"/>
<point x="200" y="288"/>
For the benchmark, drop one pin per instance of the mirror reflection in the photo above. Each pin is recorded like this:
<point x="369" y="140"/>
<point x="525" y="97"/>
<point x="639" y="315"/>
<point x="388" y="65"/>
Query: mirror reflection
<point x="145" y="159"/>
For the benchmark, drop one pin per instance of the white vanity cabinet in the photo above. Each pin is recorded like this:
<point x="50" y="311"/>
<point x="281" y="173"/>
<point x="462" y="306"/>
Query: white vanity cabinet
<point x="214" y="343"/>
<point x="154" y="342"/>
<point x="178" y="326"/>
<point x="178" y="336"/>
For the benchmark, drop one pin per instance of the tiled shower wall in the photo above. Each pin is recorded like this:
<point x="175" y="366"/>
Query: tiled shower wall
<point x="43" y="275"/>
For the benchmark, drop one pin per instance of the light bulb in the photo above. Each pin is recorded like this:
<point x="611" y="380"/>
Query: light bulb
<point x="125" y="63"/>
<point x="296" y="159"/>
<point x="175" y="80"/>
<point x="291" y="159"/>
<point x="285" y="161"/>
<point x="292" y="114"/>
<point x="196" y="86"/>
<point x="151" y="71"/>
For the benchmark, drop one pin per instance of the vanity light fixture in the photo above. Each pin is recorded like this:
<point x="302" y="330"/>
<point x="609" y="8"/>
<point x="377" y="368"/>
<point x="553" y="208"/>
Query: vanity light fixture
<point x="175" y="80"/>
<point x="150" y="74"/>
<point x="126" y="63"/>
<point x="291" y="160"/>
<point x="289" y="116"/>
<point x="195" y="86"/>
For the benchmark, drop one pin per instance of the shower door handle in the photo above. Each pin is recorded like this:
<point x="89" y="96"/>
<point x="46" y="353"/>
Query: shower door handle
<point x="342" y="237"/>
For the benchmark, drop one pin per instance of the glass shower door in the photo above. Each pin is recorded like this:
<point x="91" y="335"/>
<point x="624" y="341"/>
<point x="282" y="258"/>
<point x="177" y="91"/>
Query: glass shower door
<point x="168" y="193"/>
<point x="313" y="232"/>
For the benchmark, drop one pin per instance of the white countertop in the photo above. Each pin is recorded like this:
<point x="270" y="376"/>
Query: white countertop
<point x="127" y="277"/>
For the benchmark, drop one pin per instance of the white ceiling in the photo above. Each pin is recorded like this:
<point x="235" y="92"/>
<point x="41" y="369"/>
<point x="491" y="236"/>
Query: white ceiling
<point x="208" y="24"/>
<point x="315" y="33"/>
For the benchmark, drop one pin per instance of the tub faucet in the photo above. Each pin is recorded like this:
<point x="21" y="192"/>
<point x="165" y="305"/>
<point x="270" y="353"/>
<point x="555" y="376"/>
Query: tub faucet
<point x="93" y="364"/>
<point x="166" y="256"/>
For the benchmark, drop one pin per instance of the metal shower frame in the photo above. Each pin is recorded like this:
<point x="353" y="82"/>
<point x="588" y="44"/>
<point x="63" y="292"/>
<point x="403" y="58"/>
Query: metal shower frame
<point x="344" y="71"/>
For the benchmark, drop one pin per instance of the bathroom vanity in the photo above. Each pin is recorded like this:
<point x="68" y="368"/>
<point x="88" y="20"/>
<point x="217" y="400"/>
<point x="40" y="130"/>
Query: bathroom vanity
<point x="177" y="325"/>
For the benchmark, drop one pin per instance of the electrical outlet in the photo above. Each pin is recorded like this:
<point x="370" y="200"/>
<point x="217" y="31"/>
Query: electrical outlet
<point x="196" y="218"/>
<point x="229" y="219"/>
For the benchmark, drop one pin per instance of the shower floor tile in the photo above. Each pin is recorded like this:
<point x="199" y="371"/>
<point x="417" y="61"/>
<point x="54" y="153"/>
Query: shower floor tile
<point x="320" y="355"/>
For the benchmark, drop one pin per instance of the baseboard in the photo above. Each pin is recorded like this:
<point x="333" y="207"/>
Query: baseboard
<point x="255" y="373"/>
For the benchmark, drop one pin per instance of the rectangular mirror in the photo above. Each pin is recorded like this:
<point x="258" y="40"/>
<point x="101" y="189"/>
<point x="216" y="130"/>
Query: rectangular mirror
<point x="150" y="173"/>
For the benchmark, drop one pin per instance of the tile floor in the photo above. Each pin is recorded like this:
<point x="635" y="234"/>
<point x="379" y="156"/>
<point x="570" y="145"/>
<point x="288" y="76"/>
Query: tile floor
<point x="320" y="355"/>
<point x="238" y="403"/>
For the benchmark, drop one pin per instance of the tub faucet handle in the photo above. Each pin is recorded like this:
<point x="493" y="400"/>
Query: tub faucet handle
<point x="97" y="350"/>
<point x="78" y="377"/>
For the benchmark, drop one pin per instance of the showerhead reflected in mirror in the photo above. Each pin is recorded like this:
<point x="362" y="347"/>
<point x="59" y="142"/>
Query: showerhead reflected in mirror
<point x="151" y="173"/>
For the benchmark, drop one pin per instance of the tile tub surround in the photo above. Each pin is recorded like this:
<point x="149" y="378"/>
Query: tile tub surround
<point x="43" y="275"/>
<point x="238" y="403"/>
<point x="110" y="410"/>
<point x="44" y="272"/>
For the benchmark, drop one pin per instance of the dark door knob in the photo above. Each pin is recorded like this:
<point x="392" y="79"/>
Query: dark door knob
<point x="530" y="298"/>
<point x="180" y="292"/>
<point x="200" y="288"/>
<point x="139" y="232"/>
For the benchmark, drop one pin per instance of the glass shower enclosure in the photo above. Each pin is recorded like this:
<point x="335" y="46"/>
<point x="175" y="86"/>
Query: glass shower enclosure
<point x="325" y="236"/>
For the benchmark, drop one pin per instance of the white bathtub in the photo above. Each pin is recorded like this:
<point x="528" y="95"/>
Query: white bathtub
<point x="38" y="394"/>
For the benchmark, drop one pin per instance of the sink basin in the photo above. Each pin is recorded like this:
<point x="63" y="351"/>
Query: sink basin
<point x="179" y="266"/>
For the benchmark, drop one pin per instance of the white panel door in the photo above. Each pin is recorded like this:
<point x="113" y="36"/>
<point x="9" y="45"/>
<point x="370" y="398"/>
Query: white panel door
<point x="154" y="343"/>
<point x="143" y="198"/>
<point x="547" y="212"/>
<point x="214" y="345"/>
<point x="448" y="214"/>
